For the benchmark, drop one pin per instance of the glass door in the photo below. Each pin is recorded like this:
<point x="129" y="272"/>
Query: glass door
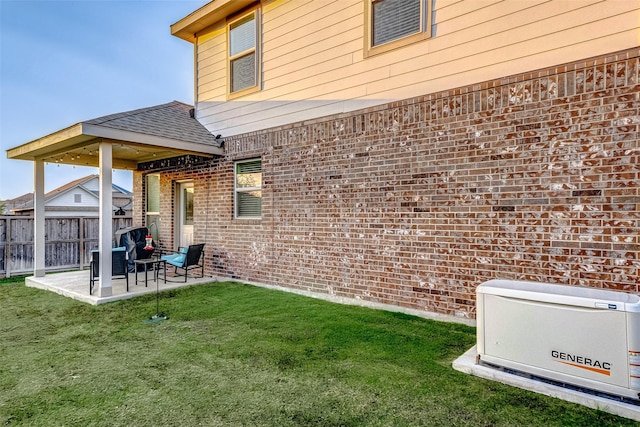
<point x="185" y="214"/>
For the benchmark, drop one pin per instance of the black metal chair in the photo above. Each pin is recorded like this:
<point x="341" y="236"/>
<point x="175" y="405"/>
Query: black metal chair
<point x="187" y="258"/>
<point x="119" y="257"/>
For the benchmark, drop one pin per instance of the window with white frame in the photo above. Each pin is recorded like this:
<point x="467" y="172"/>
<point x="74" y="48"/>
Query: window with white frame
<point x="244" y="62"/>
<point x="77" y="198"/>
<point x="248" y="189"/>
<point x="153" y="204"/>
<point x="395" y="23"/>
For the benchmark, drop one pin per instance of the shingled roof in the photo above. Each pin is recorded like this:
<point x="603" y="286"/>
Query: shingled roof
<point x="137" y="136"/>
<point x="172" y="120"/>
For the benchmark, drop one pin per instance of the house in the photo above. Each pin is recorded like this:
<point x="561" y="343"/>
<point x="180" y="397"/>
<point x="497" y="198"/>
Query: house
<point x="9" y="205"/>
<point x="78" y="198"/>
<point x="397" y="152"/>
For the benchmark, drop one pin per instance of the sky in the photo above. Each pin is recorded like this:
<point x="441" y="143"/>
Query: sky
<point x="63" y="62"/>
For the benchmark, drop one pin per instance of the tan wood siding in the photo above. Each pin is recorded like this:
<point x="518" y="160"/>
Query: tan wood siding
<point x="211" y="69"/>
<point x="313" y="64"/>
<point x="484" y="10"/>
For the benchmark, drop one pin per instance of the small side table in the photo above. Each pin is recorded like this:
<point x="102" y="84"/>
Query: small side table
<point x="154" y="264"/>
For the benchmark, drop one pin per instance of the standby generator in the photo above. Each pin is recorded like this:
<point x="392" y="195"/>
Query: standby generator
<point x="586" y="337"/>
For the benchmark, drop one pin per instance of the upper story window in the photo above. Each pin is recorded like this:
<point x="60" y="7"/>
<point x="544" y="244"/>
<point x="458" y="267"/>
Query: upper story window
<point x="248" y="189"/>
<point x="244" y="61"/>
<point x="394" y="23"/>
<point x="77" y="198"/>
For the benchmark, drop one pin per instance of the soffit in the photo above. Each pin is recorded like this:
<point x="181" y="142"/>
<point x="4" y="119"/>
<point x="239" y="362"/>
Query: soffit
<point x="209" y="14"/>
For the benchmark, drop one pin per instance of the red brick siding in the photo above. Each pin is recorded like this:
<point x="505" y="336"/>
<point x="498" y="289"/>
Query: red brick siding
<point x="415" y="203"/>
<point x="139" y="205"/>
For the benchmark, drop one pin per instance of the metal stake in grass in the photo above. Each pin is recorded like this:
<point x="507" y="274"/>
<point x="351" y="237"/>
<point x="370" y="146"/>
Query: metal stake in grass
<point x="158" y="317"/>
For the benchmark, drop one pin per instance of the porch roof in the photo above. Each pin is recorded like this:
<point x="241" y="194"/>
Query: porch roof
<point x="138" y="136"/>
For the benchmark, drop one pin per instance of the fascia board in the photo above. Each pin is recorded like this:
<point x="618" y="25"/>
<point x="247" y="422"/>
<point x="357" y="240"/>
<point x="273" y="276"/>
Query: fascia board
<point x="156" y="141"/>
<point x="209" y="14"/>
<point x="29" y="150"/>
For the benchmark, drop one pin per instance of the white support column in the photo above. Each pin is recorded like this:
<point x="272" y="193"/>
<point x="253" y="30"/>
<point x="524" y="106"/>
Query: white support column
<point x="38" y="208"/>
<point x="106" y="218"/>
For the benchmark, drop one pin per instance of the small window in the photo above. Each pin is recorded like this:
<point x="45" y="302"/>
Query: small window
<point x="243" y="54"/>
<point x="77" y="198"/>
<point x="395" y="23"/>
<point x="248" y="189"/>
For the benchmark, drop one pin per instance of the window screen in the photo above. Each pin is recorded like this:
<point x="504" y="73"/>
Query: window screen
<point x="242" y="35"/>
<point x="249" y="189"/>
<point x="242" y="53"/>
<point x="393" y="19"/>
<point x="243" y="72"/>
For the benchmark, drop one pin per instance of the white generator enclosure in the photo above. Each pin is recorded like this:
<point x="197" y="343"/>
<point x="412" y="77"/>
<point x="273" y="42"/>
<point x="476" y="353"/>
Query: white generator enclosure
<point x="581" y="336"/>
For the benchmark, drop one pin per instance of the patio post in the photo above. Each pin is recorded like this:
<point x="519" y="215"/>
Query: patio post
<point x="106" y="221"/>
<point x="38" y="220"/>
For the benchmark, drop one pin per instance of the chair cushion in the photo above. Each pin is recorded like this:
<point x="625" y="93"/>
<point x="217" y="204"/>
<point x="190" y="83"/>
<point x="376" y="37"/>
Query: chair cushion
<point x="176" y="259"/>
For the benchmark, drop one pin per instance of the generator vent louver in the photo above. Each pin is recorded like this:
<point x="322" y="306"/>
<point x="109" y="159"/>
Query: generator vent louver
<point x="581" y="336"/>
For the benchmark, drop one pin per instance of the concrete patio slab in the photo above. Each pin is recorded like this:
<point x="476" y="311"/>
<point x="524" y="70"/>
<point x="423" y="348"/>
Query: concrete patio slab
<point x="467" y="364"/>
<point x="75" y="284"/>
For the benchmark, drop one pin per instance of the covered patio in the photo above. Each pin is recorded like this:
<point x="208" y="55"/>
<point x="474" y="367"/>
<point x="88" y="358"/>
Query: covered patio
<point x="117" y="141"/>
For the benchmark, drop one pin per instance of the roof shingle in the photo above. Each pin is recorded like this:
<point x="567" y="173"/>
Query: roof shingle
<point x="171" y="120"/>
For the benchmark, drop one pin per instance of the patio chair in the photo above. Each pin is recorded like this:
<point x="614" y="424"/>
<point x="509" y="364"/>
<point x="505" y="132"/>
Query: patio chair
<point x="134" y="240"/>
<point x="187" y="258"/>
<point x="119" y="257"/>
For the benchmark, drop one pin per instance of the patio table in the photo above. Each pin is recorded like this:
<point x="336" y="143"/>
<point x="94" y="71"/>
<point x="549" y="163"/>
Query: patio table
<point x="153" y="264"/>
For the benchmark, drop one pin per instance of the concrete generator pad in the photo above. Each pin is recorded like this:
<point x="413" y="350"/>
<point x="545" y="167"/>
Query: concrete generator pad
<point x="467" y="364"/>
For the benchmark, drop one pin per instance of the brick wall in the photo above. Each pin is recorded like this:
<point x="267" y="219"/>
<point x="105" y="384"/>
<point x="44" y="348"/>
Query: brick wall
<point x="415" y="203"/>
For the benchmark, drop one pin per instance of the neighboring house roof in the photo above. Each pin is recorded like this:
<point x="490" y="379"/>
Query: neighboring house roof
<point x="24" y="203"/>
<point x="66" y="187"/>
<point x="19" y="202"/>
<point x="120" y="189"/>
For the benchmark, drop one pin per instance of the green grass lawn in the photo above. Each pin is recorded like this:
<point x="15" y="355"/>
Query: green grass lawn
<point x="238" y="355"/>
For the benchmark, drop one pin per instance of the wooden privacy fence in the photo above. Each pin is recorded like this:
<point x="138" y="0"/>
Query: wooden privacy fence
<point x="68" y="242"/>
